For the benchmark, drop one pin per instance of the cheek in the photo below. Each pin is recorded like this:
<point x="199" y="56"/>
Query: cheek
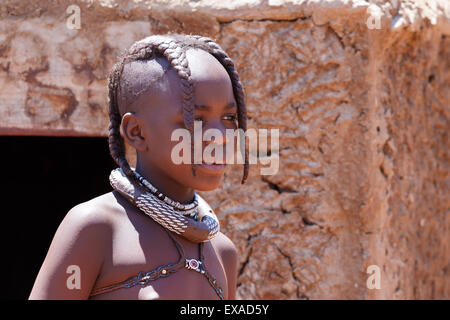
<point x="158" y="135"/>
<point x="161" y="144"/>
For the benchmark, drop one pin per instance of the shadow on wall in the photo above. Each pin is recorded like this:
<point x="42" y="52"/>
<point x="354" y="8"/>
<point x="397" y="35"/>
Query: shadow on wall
<point x="42" y="179"/>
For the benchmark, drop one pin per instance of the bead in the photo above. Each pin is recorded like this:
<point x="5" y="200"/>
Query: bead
<point x="163" y="271"/>
<point x="193" y="264"/>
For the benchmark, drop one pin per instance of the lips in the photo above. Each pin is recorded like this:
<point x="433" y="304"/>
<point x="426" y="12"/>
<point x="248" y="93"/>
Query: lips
<point x="217" y="167"/>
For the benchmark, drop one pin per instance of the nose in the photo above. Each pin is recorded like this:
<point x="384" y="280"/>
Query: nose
<point x="216" y="138"/>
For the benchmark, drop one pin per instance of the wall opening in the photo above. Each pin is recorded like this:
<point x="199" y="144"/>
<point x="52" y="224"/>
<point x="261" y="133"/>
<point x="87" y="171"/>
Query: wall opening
<point x="42" y="179"/>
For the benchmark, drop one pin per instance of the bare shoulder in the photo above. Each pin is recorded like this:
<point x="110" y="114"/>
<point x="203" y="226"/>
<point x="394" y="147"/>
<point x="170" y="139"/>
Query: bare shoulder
<point x="92" y="220"/>
<point x="97" y="211"/>
<point x="225" y="246"/>
<point x="81" y="240"/>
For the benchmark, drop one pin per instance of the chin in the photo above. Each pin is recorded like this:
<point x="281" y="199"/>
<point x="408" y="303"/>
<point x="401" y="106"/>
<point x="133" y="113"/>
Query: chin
<point x="208" y="184"/>
<point x="207" y="179"/>
<point x="206" y="188"/>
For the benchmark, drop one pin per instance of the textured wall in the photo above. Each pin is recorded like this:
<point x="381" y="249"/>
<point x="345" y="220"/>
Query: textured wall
<point x="363" y="115"/>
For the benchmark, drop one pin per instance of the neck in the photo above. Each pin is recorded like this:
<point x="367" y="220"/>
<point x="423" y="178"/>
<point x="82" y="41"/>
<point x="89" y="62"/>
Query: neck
<point x="165" y="184"/>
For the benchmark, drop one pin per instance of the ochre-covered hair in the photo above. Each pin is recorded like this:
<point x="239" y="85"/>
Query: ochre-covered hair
<point x="173" y="48"/>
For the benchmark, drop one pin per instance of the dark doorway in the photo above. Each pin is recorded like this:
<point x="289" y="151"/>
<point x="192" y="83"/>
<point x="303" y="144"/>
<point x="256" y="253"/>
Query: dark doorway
<point x="42" y="179"/>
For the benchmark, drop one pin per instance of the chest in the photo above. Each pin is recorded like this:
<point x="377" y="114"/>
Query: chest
<point x="140" y="245"/>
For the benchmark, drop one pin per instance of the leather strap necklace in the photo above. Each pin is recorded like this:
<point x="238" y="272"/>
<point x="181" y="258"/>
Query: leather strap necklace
<point x="142" y="278"/>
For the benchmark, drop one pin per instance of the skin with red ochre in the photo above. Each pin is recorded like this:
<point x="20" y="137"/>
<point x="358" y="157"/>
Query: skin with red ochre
<point x="110" y="240"/>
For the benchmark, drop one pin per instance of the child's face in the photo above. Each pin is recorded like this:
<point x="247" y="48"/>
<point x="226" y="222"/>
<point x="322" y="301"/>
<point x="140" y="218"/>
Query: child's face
<point x="160" y="113"/>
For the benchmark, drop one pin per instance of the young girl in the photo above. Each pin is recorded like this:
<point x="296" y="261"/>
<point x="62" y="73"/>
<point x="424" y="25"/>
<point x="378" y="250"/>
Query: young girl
<point x="154" y="237"/>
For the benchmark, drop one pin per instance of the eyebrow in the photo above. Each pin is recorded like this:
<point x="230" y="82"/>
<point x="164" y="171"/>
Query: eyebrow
<point x="205" y="107"/>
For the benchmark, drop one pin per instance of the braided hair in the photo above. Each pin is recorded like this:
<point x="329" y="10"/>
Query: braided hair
<point x="173" y="48"/>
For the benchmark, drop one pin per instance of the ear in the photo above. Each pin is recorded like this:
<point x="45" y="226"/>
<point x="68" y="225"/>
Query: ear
<point x="131" y="130"/>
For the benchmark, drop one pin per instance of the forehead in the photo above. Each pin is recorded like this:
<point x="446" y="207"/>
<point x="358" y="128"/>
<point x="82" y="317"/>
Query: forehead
<point x="155" y="84"/>
<point x="205" y="67"/>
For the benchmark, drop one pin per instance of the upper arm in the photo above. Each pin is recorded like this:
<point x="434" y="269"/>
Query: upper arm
<point x="229" y="256"/>
<point x="75" y="254"/>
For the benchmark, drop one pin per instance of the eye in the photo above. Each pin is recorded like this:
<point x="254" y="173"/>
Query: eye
<point x="230" y="117"/>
